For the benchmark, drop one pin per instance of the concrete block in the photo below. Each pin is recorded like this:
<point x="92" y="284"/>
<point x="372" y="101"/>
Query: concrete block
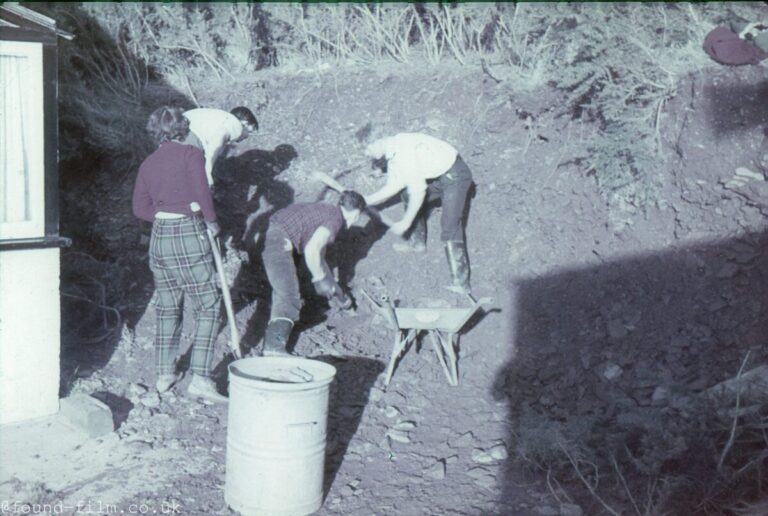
<point x="86" y="412"/>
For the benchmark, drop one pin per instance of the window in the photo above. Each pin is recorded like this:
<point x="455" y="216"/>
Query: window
<point x="22" y="163"/>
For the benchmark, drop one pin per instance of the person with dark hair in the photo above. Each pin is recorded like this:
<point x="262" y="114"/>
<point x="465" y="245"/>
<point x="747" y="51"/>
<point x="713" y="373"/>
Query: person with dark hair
<point x="212" y="130"/>
<point x="426" y="170"/>
<point x="306" y="229"/>
<point x="171" y="191"/>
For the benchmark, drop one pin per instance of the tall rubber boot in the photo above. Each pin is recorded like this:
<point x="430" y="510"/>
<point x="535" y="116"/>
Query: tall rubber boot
<point x="458" y="264"/>
<point x="276" y="337"/>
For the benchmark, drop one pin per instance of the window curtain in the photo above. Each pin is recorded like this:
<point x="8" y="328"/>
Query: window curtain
<point x="15" y="108"/>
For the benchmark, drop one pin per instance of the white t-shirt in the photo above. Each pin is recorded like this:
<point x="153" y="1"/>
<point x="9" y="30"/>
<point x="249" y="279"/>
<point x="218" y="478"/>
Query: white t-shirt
<point x="214" y="128"/>
<point x="413" y="158"/>
<point x="211" y="126"/>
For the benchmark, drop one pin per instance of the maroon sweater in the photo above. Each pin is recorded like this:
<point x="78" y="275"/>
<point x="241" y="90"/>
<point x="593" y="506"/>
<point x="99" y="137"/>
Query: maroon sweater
<point x="169" y="180"/>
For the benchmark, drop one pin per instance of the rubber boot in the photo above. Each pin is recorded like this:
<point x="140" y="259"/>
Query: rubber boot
<point x="458" y="264"/>
<point x="276" y="337"/>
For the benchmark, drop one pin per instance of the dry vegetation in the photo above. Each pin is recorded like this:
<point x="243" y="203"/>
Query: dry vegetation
<point x="617" y="64"/>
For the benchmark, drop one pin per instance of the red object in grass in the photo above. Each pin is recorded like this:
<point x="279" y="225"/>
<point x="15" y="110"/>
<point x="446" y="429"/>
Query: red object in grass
<point x="724" y="46"/>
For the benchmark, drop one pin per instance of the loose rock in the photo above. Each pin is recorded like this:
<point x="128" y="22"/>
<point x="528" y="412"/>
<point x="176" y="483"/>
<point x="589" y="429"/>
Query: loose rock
<point x="436" y="471"/>
<point x="399" y="436"/>
<point x="570" y="509"/>
<point x="150" y="400"/>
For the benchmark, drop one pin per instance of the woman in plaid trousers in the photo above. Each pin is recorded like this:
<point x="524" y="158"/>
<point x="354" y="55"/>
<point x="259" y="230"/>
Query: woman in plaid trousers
<point x="172" y="192"/>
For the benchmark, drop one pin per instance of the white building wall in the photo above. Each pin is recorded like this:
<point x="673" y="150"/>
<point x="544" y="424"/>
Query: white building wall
<point x="29" y="334"/>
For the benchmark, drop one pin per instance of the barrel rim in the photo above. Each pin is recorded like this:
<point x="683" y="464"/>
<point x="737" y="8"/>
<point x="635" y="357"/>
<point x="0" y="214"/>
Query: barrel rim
<point x="324" y="373"/>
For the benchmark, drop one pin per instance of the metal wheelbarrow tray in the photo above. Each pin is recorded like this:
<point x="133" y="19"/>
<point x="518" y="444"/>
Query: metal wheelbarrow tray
<point x="441" y="324"/>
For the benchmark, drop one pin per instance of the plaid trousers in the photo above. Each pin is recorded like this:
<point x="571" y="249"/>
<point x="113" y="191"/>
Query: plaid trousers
<point x="181" y="261"/>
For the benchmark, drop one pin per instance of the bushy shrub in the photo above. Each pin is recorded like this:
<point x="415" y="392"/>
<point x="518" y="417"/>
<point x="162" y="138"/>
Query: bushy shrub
<point x="105" y="92"/>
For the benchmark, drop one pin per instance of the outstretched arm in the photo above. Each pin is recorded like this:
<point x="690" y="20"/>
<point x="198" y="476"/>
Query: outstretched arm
<point x="384" y="193"/>
<point x="322" y="278"/>
<point x="212" y="152"/>
<point x="415" y="200"/>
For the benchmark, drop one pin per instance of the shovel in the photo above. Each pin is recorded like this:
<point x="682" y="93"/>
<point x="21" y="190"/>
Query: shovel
<point x="234" y="337"/>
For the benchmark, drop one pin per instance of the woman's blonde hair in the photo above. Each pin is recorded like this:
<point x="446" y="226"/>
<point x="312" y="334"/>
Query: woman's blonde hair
<point x="167" y="123"/>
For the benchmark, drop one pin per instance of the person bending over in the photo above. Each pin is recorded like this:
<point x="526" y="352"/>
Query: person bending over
<point x="426" y="170"/>
<point x="306" y="229"/>
<point x="212" y="130"/>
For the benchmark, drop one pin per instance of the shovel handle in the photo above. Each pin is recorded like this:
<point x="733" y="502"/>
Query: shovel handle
<point x="234" y="337"/>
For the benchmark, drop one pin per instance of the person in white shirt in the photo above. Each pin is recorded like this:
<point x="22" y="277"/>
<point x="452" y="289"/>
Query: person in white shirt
<point x="211" y="130"/>
<point x="426" y="170"/>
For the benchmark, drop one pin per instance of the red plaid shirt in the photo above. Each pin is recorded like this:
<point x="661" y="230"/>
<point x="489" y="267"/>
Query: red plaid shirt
<point x="301" y="220"/>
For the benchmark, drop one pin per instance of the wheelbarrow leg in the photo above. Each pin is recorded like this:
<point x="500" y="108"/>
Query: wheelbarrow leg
<point x="448" y="343"/>
<point x="437" y="344"/>
<point x="402" y="339"/>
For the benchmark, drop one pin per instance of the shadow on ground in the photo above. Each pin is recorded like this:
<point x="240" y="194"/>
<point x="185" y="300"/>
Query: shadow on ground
<point x="349" y="393"/>
<point x="735" y="106"/>
<point x="618" y="355"/>
<point x="247" y="192"/>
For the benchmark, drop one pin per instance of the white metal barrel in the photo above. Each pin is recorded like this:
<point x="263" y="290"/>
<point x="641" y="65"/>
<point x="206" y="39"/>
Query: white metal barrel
<point x="278" y="413"/>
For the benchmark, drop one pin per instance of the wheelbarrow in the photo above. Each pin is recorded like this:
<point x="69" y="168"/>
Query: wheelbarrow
<point x="441" y="324"/>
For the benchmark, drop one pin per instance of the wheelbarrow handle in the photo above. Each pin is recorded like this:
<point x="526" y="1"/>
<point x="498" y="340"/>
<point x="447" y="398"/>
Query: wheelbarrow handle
<point x="389" y="312"/>
<point x="385" y="308"/>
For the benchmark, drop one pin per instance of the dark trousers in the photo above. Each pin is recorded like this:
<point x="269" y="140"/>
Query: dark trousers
<point x="451" y="190"/>
<point x="282" y="276"/>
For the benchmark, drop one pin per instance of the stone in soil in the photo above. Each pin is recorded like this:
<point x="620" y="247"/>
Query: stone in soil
<point x="87" y="413"/>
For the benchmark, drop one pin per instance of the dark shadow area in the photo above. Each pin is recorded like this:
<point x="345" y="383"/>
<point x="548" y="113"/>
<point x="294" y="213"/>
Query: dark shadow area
<point x="348" y="397"/>
<point x="618" y="355"/>
<point x="119" y="406"/>
<point x="247" y="193"/>
<point x="106" y="283"/>
<point x="736" y="106"/>
<point x="352" y="246"/>
<point x="220" y="373"/>
<point x="248" y="196"/>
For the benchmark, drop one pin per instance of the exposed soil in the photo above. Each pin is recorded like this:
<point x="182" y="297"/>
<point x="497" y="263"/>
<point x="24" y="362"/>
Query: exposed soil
<point x="602" y="318"/>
